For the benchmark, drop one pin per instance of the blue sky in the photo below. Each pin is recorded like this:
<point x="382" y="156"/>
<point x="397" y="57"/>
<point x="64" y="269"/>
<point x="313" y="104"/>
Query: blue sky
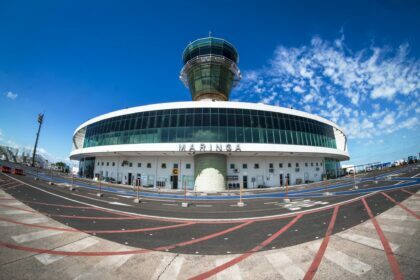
<point x="356" y="63"/>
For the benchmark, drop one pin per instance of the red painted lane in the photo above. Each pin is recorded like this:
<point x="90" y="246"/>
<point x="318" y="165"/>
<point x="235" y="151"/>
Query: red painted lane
<point x="238" y="259"/>
<point x="113" y="253"/>
<point x="389" y="254"/>
<point x="98" y="231"/>
<point x="318" y="258"/>
<point x="408" y="210"/>
<point x="204" y="238"/>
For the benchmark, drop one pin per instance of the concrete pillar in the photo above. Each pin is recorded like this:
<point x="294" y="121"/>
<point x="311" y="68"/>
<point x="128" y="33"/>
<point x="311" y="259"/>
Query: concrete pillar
<point x="210" y="172"/>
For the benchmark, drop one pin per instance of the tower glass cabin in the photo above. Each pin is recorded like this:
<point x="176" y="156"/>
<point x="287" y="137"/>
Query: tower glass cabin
<point x="210" y="69"/>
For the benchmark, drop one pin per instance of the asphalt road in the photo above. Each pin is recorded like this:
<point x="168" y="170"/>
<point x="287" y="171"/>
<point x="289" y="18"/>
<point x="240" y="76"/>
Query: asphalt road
<point x="216" y="226"/>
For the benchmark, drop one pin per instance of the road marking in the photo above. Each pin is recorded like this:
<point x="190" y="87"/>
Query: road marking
<point x="285" y="266"/>
<point x="203" y="205"/>
<point x="26" y="237"/>
<point x="346" y="262"/>
<point x="396" y="217"/>
<point x="232" y="272"/>
<point x="16" y="212"/>
<point x="239" y="258"/>
<point x="170" y="272"/>
<point x="73" y="247"/>
<point x="118" y="203"/>
<point x="170" y="204"/>
<point x="396" y="229"/>
<point x="385" y="243"/>
<point x="12" y="203"/>
<point x="367" y="241"/>
<point x="110" y="263"/>
<point x="26" y="221"/>
<point x="310" y="273"/>
<point x="408" y="210"/>
<point x="273" y="202"/>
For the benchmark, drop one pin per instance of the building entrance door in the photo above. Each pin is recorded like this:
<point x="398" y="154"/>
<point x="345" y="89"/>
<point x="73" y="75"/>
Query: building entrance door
<point x="245" y="182"/>
<point x="174" y="180"/>
<point x="281" y="180"/>
<point x="288" y="179"/>
<point x="130" y="178"/>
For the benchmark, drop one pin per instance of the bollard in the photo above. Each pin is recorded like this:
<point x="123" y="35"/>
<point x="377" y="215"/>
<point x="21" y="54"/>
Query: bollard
<point x="240" y="202"/>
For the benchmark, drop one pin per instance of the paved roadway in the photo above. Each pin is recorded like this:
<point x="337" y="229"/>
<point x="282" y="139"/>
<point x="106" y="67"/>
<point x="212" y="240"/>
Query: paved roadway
<point x="207" y="227"/>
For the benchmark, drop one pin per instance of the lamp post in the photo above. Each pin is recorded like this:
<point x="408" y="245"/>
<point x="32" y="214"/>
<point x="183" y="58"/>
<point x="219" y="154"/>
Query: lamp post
<point x="37" y="171"/>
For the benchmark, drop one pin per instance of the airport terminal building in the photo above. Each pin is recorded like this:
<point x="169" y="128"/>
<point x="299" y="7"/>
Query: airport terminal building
<point x="209" y="144"/>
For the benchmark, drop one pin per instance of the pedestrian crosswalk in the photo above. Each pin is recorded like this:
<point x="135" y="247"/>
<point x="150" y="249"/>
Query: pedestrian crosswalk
<point x="72" y="247"/>
<point x="232" y="272"/>
<point x="24" y="220"/>
<point x="285" y="266"/>
<point x="366" y="241"/>
<point x="346" y="262"/>
<point x="27" y="237"/>
<point x="106" y="265"/>
<point x="169" y="267"/>
<point x="395" y="229"/>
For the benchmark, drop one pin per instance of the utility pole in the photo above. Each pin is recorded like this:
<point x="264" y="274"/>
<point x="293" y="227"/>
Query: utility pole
<point x="40" y="120"/>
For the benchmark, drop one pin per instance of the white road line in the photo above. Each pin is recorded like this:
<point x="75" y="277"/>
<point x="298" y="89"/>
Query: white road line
<point x="16" y="212"/>
<point x="367" y="241"/>
<point x="273" y="202"/>
<point x="397" y="217"/>
<point x="26" y="237"/>
<point x="12" y="203"/>
<point x="170" y="272"/>
<point x="170" y="204"/>
<point x="346" y="262"/>
<point x="118" y="203"/>
<point x="285" y="266"/>
<point x="109" y="263"/>
<point x="73" y="247"/>
<point x="232" y="273"/>
<point x="396" y="229"/>
<point x="26" y="221"/>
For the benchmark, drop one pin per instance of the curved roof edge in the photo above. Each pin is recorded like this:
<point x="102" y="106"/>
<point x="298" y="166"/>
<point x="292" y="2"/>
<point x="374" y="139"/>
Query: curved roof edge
<point x="207" y="104"/>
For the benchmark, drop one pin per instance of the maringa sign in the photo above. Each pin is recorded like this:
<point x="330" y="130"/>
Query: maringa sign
<point x="209" y="148"/>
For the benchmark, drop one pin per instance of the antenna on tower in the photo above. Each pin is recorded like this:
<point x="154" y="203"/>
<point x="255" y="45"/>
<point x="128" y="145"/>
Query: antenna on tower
<point x="209" y="33"/>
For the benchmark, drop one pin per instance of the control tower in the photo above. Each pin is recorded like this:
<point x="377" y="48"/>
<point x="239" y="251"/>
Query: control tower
<point x="210" y="69"/>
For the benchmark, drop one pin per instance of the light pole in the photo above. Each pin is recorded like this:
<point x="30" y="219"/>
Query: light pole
<point x="37" y="171"/>
<point x="40" y="121"/>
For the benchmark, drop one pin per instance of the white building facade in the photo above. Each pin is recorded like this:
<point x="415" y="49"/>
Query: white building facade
<point x="209" y="144"/>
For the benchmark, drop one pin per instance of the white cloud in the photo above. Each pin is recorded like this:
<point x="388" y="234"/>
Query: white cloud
<point x="369" y="92"/>
<point x="11" y="95"/>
